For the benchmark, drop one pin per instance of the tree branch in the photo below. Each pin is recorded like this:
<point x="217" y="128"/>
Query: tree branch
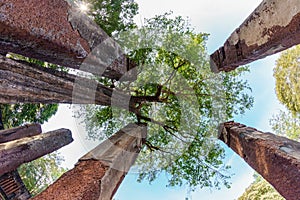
<point x="140" y="99"/>
<point x="155" y="98"/>
<point x="170" y="77"/>
<point x="164" y="126"/>
<point x="151" y="147"/>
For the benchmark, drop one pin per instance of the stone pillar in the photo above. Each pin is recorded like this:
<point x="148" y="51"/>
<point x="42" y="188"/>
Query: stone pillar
<point x="35" y="84"/>
<point x="57" y="32"/>
<point x="17" y="152"/>
<point x="272" y="27"/>
<point x="276" y="158"/>
<point x="99" y="173"/>
<point x="20" y="132"/>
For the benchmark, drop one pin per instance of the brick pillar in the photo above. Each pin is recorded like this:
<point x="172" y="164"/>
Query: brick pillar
<point x="57" y="32"/>
<point x="272" y="27"/>
<point x="276" y="158"/>
<point x="99" y="173"/>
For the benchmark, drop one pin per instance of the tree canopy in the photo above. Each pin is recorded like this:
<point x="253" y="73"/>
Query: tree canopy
<point x="14" y="115"/>
<point x="113" y="15"/>
<point x="37" y="175"/>
<point x="179" y="97"/>
<point x="287" y="76"/>
<point x="260" y="189"/>
<point x="286" y="124"/>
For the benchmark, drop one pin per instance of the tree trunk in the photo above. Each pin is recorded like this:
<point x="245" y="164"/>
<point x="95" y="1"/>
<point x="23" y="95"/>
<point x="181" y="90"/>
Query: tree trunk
<point x="56" y="32"/>
<point x="98" y="174"/>
<point x="272" y="27"/>
<point x="276" y="158"/>
<point x="17" y="152"/>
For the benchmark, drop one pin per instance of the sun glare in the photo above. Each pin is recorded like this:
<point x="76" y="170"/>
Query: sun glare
<point x="83" y="7"/>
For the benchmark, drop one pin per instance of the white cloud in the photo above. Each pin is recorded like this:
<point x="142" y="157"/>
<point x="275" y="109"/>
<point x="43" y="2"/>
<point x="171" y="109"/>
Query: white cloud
<point x="79" y="147"/>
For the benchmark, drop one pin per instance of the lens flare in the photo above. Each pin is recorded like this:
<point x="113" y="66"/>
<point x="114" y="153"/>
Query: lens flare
<point x="83" y="6"/>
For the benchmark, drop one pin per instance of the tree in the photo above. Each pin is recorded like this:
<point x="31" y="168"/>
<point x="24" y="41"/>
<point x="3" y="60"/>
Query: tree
<point x="113" y="15"/>
<point x="287" y="73"/>
<point x="260" y="189"/>
<point x="286" y="124"/>
<point x="38" y="174"/>
<point x="179" y="98"/>
<point x="17" y="114"/>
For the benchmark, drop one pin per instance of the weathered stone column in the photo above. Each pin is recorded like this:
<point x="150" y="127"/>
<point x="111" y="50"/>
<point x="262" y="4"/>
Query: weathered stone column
<point x="99" y="173"/>
<point x="272" y="27"/>
<point x="20" y="132"/>
<point x="58" y="32"/>
<point x="35" y="84"/>
<point x="11" y="184"/>
<point x="276" y="158"/>
<point x="17" y="152"/>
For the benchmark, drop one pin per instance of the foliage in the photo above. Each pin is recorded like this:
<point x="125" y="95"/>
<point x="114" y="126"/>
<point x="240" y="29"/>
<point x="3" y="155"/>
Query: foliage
<point x="287" y="74"/>
<point x="286" y="124"/>
<point x="36" y="62"/>
<point x="113" y="15"/>
<point x="40" y="173"/>
<point x="18" y="114"/>
<point x="260" y="189"/>
<point x="181" y="100"/>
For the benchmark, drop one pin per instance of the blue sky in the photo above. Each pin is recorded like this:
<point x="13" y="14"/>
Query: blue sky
<point x="219" y="18"/>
